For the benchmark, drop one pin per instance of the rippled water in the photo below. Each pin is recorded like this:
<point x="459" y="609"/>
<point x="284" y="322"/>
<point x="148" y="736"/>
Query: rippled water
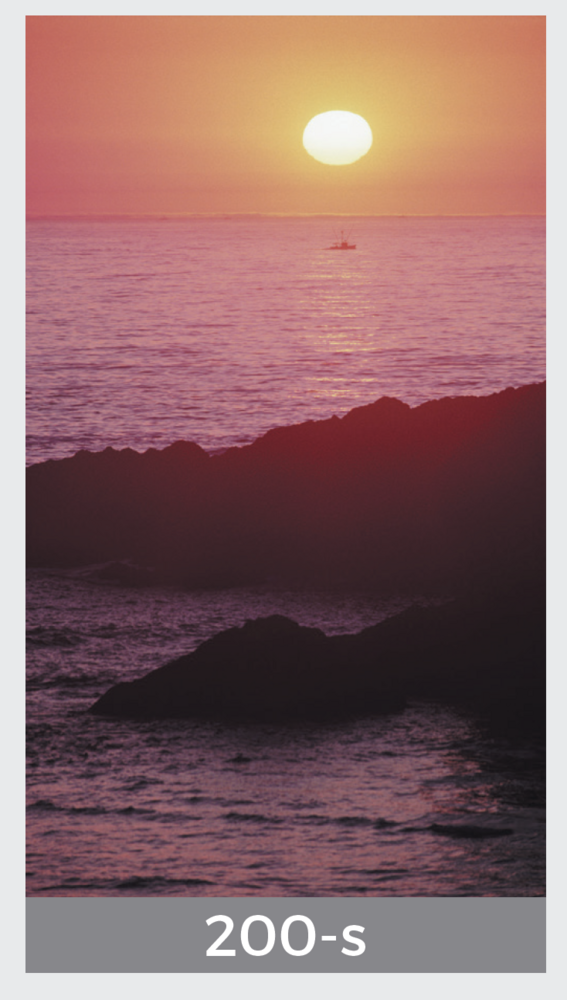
<point x="214" y="330"/>
<point x="169" y="808"/>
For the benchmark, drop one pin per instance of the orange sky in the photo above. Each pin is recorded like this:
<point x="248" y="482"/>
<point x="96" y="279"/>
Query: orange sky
<point x="206" y="114"/>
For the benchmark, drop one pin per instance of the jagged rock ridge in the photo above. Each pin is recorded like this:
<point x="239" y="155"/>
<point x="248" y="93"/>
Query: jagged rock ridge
<point x="447" y="496"/>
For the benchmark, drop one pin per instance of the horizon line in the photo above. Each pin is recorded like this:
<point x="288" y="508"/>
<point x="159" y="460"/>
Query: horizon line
<point x="167" y="216"/>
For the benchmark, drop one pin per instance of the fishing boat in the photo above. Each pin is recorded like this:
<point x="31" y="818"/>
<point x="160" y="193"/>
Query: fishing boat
<point x="342" y="243"/>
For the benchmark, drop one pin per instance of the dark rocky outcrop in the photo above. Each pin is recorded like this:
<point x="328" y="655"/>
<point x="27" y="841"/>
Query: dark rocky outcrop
<point x="486" y="657"/>
<point x="468" y="832"/>
<point x="445" y="497"/>
<point x="269" y="668"/>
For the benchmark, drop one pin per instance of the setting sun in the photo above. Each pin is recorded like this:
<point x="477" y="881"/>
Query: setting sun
<point x="337" y="137"/>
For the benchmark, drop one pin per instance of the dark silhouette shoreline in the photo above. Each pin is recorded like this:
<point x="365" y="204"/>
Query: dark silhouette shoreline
<point x="445" y="498"/>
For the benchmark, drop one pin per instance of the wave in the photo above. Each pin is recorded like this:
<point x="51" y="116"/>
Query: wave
<point x="44" y="636"/>
<point x="159" y="881"/>
<point x="150" y="883"/>
<point x="236" y="817"/>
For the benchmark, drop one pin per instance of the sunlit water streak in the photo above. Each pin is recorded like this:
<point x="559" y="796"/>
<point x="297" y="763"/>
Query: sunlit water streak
<point x="142" y="333"/>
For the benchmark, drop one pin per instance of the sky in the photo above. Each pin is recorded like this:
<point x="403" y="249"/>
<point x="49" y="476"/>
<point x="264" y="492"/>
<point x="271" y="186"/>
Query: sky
<point x="173" y="115"/>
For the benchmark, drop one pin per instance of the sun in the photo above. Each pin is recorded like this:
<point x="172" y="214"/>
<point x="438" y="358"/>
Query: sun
<point x="337" y="137"/>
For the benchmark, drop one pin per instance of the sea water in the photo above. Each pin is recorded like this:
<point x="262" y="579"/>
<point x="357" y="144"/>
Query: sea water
<point x="143" y="332"/>
<point x="211" y="330"/>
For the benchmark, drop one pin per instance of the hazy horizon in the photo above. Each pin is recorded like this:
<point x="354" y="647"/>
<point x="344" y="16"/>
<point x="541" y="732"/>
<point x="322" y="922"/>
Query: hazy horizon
<point x="288" y="215"/>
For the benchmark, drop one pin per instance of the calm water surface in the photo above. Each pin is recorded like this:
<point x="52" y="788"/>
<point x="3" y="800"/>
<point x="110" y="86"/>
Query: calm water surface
<point x="143" y="333"/>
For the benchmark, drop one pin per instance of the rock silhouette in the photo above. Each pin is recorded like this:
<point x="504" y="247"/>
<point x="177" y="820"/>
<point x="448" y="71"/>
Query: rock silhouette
<point x="448" y="497"/>
<point x="470" y="832"/>
<point x="484" y="657"/>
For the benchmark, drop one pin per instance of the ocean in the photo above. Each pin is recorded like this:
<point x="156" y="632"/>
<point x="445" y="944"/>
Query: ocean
<point x="147" y="331"/>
